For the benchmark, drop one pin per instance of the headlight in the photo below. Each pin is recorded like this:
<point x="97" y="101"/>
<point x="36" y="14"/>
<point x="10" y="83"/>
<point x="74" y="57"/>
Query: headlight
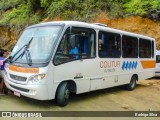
<point x="36" y="78"/>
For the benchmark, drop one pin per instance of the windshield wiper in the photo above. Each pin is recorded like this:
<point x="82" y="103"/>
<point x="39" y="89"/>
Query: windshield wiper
<point x="28" y="56"/>
<point x="26" y="51"/>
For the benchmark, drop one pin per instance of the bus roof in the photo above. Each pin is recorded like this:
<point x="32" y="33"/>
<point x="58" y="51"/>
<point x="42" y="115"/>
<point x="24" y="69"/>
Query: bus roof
<point x="96" y="26"/>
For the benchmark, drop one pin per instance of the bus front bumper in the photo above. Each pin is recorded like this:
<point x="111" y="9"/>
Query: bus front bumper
<point x="37" y="91"/>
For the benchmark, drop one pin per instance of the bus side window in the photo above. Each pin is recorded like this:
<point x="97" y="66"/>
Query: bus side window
<point x="101" y="43"/>
<point x="109" y="45"/>
<point x="129" y="47"/>
<point x="152" y="49"/>
<point x="144" y="48"/>
<point x="77" y="43"/>
<point x="73" y="46"/>
<point x="83" y="46"/>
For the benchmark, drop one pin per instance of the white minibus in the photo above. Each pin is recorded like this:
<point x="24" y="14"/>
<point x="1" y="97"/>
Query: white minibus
<point x="53" y="59"/>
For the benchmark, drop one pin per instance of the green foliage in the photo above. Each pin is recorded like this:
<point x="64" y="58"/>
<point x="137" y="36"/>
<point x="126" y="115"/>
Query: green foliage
<point x="141" y="7"/>
<point x="74" y="9"/>
<point x="6" y="4"/>
<point x="25" y="12"/>
<point x="20" y="16"/>
<point x="114" y="8"/>
<point x="44" y="3"/>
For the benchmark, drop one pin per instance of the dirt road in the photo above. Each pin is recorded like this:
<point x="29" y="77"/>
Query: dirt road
<point x="144" y="98"/>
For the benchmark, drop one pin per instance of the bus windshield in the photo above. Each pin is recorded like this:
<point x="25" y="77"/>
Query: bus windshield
<point x="39" y="43"/>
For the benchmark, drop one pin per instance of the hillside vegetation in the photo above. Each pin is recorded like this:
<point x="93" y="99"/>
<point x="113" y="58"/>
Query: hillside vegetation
<point x="138" y="16"/>
<point x="21" y="13"/>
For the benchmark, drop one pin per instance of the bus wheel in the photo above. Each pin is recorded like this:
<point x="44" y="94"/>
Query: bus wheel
<point x="63" y="94"/>
<point x="132" y="84"/>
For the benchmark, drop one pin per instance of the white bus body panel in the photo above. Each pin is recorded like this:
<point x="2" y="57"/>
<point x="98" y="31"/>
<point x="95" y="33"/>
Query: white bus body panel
<point x="39" y="90"/>
<point x="157" y="69"/>
<point x="96" y="75"/>
<point x="100" y="73"/>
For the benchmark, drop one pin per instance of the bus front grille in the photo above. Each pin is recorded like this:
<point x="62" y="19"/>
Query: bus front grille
<point x="21" y="89"/>
<point x="18" y="78"/>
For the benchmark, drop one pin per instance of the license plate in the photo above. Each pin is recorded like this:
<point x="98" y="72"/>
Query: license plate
<point x="17" y="94"/>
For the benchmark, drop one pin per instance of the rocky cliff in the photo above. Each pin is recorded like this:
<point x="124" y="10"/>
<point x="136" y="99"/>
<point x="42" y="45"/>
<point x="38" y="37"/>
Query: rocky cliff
<point x="8" y="37"/>
<point x="135" y="24"/>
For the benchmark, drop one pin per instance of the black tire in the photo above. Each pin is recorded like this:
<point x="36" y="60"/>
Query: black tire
<point x="132" y="84"/>
<point x="62" y="95"/>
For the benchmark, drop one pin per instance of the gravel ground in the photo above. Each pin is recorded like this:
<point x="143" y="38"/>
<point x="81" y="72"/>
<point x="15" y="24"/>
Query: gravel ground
<point x="144" y="98"/>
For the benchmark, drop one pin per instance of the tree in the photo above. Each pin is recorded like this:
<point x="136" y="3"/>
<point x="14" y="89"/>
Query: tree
<point x="141" y="7"/>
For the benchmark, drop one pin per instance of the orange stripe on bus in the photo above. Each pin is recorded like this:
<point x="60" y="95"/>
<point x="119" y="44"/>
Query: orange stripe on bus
<point x="24" y="70"/>
<point x="148" y="64"/>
